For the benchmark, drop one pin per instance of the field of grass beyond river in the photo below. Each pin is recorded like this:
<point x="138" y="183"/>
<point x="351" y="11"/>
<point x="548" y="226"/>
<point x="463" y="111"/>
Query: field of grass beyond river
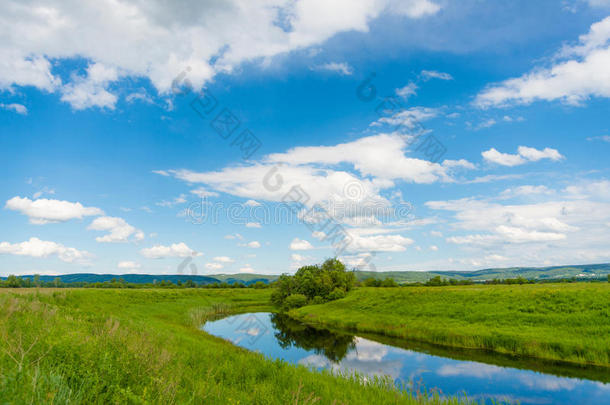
<point x="566" y="322"/>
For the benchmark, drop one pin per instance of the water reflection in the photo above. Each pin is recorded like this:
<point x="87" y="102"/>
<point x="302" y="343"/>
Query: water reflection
<point x="291" y="333"/>
<point x="279" y="336"/>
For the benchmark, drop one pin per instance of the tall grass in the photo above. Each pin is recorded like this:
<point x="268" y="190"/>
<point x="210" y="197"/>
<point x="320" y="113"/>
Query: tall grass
<point x="563" y="322"/>
<point x="145" y="346"/>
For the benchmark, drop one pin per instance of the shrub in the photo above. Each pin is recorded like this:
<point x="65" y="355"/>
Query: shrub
<point x="314" y="281"/>
<point x="336" y="294"/>
<point x="295" y="301"/>
<point x="317" y="300"/>
<point x="389" y="282"/>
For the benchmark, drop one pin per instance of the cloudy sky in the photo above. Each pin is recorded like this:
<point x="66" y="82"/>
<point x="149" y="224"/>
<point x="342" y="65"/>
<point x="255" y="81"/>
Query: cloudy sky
<point x="245" y="136"/>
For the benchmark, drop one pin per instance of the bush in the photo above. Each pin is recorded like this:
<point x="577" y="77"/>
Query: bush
<point x="336" y="294"/>
<point x="295" y="301"/>
<point x="314" y="281"/>
<point x="389" y="282"/>
<point x="317" y="300"/>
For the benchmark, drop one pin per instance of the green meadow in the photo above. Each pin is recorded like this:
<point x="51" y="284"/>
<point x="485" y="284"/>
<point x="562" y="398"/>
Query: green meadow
<point x="564" y="322"/>
<point x="126" y="346"/>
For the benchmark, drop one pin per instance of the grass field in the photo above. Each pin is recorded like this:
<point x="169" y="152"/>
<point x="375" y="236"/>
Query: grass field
<point x="566" y="322"/>
<point x="144" y="346"/>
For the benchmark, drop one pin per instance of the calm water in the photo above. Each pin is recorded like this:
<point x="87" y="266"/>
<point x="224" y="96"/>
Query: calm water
<point x="278" y="336"/>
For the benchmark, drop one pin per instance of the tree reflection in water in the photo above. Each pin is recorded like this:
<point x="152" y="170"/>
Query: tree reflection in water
<point x="290" y="333"/>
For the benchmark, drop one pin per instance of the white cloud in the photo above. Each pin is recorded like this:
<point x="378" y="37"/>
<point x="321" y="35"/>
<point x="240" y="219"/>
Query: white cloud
<point x="181" y="199"/>
<point x="463" y="163"/>
<point x="223" y="259"/>
<point x="377" y="243"/>
<point x="577" y="73"/>
<point x="254" y="244"/>
<point x="433" y="74"/>
<point x="526" y="190"/>
<point x="118" y="230"/>
<point x="252" y="203"/>
<point x="407" y="91"/>
<point x="487" y="124"/>
<point x="203" y="193"/>
<point x="569" y="230"/>
<point x="381" y="156"/>
<point x="599" y="3"/>
<point x="597" y="190"/>
<point x="253" y="225"/>
<point x="234" y="236"/>
<point x="534" y="155"/>
<point x="35" y="247"/>
<point x="341" y="68"/>
<point x="300" y="244"/>
<point x="91" y="90"/>
<point x="214" y="266"/>
<point x="525" y="154"/>
<point x="139" y="96"/>
<point x="208" y="37"/>
<point x="44" y="190"/>
<point x="604" y="138"/>
<point x="174" y="250"/>
<point x="299" y="258"/>
<point x="44" y="211"/>
<point x="434" y="248"/>
<point x="409" y="117"/>
<point x="246" y="269"/>
<point x="18" y="108"/>
<point x="161" y="172"/>
<point x="504" y="159"/>
<point x="128" y="265"/>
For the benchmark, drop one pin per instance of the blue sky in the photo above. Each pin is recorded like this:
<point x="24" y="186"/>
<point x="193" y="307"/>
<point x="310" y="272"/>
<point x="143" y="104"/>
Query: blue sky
<point x="107" y="164"/>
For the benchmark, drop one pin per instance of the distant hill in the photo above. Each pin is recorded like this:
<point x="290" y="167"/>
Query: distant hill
<point x="586" y="271"/>
<point x="533" y="273"/>
<point x="134" y="278"/>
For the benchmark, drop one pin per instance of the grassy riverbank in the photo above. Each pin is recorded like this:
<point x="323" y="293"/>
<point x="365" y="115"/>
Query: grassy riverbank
<point x="567" y="322"/>
<point x="144" y="346"/>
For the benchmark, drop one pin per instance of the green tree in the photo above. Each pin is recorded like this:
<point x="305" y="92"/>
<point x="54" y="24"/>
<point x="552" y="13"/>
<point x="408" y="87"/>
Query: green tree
<point x="315" y="281"/>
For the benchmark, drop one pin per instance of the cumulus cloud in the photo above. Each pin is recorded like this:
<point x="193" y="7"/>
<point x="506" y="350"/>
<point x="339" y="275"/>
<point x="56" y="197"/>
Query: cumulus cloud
<point x="118" y="230"/>
<point x="214" y="266"/>
<point x="174" y="250"/>
<point x="208" y="37"/>
<point x="18" y="108"/>
<point x="377" y="243"/>
<point x="407" y="91"/>
<point x="254" y="244"/>
<point x="524" y="155"/>
<point x="91" y="90"/>
<point x="300" y="244"/>
<point x="35" y="247"/>
<point x="562" y="229"/>
<point x="246" y="269"/>
<point x="576" y="73"/>
<point x="128" y="265"/>
<point x="44" y="211"/>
